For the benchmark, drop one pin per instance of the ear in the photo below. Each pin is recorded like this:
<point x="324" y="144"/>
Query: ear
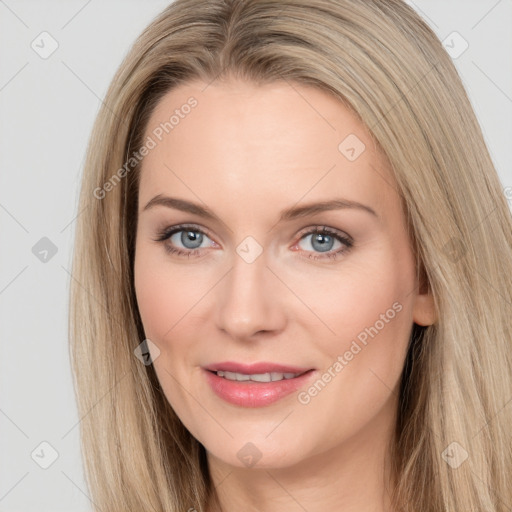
<point x="424" y="311"/>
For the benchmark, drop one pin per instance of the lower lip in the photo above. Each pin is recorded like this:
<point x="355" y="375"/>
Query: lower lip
<point x="254" y="394"/>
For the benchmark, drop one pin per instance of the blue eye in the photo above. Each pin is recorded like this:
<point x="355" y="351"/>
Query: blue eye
<point x="191" y="239"/>
<point x="322" y="239"/>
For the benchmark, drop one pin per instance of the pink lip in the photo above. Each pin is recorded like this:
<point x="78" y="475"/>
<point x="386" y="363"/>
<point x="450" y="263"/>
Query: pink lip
<point x="255" y="394"/>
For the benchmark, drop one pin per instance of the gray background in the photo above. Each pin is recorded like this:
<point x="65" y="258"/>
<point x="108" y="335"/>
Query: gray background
<point x="47" y="107"/>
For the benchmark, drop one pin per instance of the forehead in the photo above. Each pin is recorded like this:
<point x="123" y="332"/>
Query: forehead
<point x="261" y="145"/>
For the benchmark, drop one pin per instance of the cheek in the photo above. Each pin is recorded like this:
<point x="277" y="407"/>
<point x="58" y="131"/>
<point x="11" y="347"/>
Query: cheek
<point x="166" y="293"/>
<point x="152" y="295"/>
<point x="358" y="296"/>
<point x="368" y="309"/>
<point x="159" y="303"/>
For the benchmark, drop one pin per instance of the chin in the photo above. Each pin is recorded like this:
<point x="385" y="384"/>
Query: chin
<point x="260" y="453"/>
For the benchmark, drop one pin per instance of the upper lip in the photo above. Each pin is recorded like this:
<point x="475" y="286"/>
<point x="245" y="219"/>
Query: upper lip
<point x="254" y="368"/>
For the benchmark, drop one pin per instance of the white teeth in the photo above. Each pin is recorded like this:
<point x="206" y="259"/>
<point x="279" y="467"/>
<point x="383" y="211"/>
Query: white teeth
<point x="262" y="377"/>
<point x="235" y="376"/>
<point x="257" y="377"/>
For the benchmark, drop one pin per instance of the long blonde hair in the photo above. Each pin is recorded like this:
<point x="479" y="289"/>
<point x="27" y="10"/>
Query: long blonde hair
<point x="453" y="448"/>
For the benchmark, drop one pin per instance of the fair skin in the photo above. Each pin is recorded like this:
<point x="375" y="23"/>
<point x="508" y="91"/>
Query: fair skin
<point x="247" y="152"/>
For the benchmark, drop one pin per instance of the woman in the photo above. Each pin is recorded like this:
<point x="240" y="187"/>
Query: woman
<point x="221" y="359"/>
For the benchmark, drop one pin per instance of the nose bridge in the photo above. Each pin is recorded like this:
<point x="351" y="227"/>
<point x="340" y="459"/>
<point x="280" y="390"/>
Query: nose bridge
<point x="248" y="302"/>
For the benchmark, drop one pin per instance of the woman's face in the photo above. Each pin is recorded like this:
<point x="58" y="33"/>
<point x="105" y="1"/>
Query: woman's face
<point x="238" y="168"/>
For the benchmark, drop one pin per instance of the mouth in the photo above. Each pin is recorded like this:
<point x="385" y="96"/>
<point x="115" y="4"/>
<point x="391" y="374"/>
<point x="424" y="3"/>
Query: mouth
<point x="257" y="384"/>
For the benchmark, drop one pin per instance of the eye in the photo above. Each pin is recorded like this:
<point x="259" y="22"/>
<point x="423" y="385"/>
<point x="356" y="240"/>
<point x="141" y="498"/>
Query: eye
<point x="190" y="238"/>
<point x="323" y="240"/>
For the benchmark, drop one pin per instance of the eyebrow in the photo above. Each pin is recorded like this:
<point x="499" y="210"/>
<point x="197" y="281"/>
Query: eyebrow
<point x="292" y="213"/>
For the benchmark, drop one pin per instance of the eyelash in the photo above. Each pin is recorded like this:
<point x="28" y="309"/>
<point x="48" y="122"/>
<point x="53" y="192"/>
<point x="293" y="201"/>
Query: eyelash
<point x="168" y="232"/>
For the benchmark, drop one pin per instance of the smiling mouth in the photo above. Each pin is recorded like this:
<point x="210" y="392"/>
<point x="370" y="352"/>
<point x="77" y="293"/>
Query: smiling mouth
<point x="256" y="389"/>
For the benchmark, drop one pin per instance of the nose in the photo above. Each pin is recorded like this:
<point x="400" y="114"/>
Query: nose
<point x="249" y="300"/>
